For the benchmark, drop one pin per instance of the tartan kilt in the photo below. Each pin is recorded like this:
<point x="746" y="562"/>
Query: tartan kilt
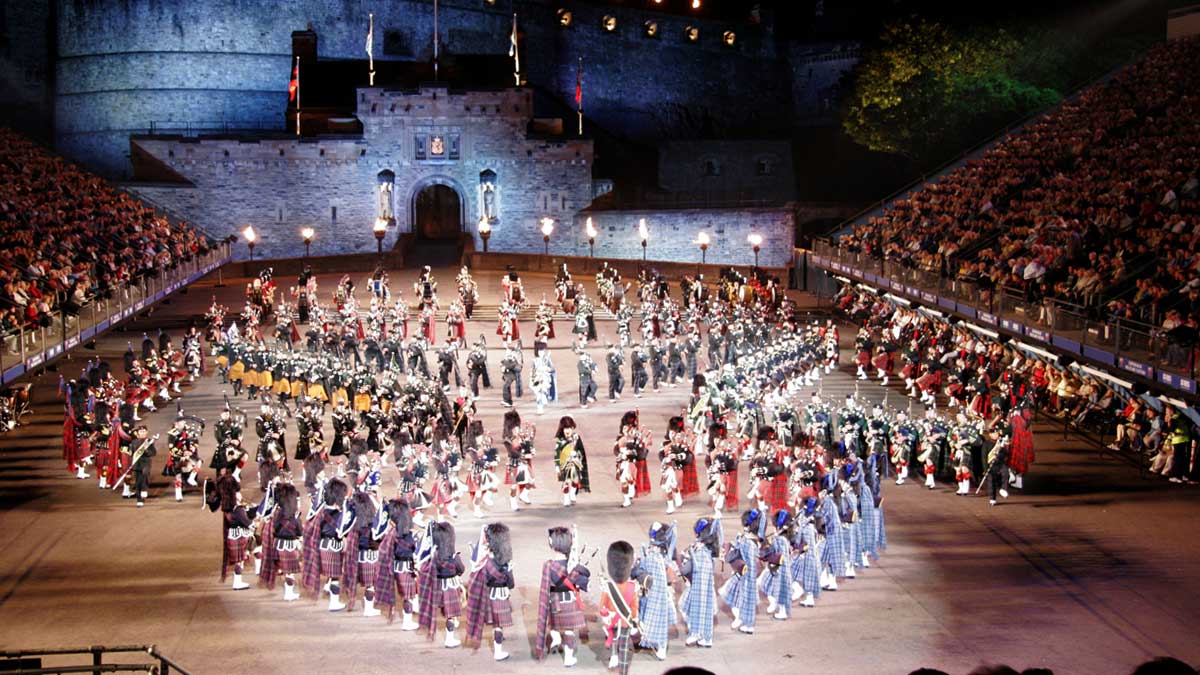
<point x="731" y="490"/>
<point x="282" y="386"/>
<point x="863" y="359"/>
<point x="928" y="381"/>
<point x="835" y="552"/>
<point x="406" y="582"/>
<point x="237" y="371"/>
<point x="642" y="486"/>
<point x="289" y="561"/>
<point x="449" y="600"/>
<point x="362" y="402"/>
<point x="510" y="475"/>
<point x="339" y="394"/>
<point x="236" y="549"/>
<point x="566" y="615"/>
<point x="331" y="562"/>
<point x="498" y="613"/>
<point x="222" y="360"/>
<point x="883" y="362"/>
<point x="908" y="371"/>
<point x="367" y="571"/>
<point x="250" y="378"/>
<point x="317" y="391"/>
<point x="265" y="380"/>
<point x="297" y="389"/>
<point x="777" y="493"/>
<point x="690" y="484"/>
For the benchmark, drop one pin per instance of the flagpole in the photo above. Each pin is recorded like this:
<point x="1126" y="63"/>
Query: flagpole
<point x="297" y="95"/>
<point x="435" y="40"/>
<point x="515" y="52"/>
<point x="370" y="53"/>
<point x="579" y="94"/>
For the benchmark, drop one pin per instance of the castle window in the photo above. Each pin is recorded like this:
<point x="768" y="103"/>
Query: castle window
<point x="322" y="152"/>
<point x="729" y="38"/>
<point x="651" y="28"/>
<point x="712" y="167"/>
<point x="609" y="23"/>
<point x="281" y="152"/>
<point x="565" y="18"/>
<point x="691" y="34"/>
<point x="489" y="208"/>
<point x="762" y="166"/>
<point x="333" y="213"/>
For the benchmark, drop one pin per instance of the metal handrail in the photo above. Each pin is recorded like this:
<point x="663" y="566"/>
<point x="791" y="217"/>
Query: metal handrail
<point x="163" y="665"/>
<point x="38" y="345"/>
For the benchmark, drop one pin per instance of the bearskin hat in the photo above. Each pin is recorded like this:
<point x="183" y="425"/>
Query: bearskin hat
<point x="620" y="561"/>
<point x="561" y="539"/>
<point x="443" y="539"/>
<point x="335" y="492"/>
<point x="499" y="541"/>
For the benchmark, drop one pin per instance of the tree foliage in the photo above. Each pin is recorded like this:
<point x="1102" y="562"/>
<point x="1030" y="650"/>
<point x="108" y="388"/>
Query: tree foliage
<point x="928" y="89"/>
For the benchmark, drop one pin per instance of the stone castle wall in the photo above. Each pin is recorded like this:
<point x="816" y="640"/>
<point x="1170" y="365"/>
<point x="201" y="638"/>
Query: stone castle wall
<point x="124" y="65"/>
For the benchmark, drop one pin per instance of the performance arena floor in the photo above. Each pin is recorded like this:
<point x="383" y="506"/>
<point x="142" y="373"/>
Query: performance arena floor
<point x="1089" y="570"/>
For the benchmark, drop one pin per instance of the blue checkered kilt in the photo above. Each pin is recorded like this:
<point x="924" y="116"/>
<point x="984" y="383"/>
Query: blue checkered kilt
<point x="740" y="594"/>
<point x="835" y="546"/>
<point x="699" y="601"/>
<point x="778" y="583"/>
<point x="881" y="539"/>
<point x="657" y="608"/>
<point x="869" y="517"/>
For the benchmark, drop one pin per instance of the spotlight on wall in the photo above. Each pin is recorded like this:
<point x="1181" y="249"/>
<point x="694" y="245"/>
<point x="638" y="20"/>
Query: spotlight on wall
<point x="695" y="4"/>
<point x="651" y="28"/>
<point x="729" y="38"/>
<point x="565" y="18"/>
<point x="609" y="22"/>
<point x="691" y="33"/>
<point x="489" y="3"/>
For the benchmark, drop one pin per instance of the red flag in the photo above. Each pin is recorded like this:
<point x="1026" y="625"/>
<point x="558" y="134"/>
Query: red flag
<point x="579" y="86"/>
<point x="294" y="85"/>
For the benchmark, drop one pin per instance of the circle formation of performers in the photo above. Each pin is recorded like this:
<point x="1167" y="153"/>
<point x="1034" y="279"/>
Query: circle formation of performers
<point x="808" y="512"/>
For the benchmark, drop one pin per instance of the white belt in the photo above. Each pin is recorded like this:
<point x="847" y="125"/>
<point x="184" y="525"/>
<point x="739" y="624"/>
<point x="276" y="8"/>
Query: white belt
<point x="332" y="545"/>
<point x="368" y="556"/>
<point x="239" y="533"/>
<point x="287" y="544"/>
<point x="498" y="593"/>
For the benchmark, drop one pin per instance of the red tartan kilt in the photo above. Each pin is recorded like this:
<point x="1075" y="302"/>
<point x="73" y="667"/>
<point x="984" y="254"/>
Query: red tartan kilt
<point x="498" y="613"/>
<point x="883" y="362"/>
<point x="289" y="561"/>
<point x="406" y="585"/>
<point x="908" y="371"/>
<point x="642" y="486"/>
<point x="510" y="475"/>
<point x="982" y="405"/>
<point x="690" y="484"/>
<point x="731" y="490"/>
<point x="235" y="549"/>
<point x="441" y="494"/>
<point x="367" y="572"/>
<point x="472" y="483"/>
<point x="566" y="615"/>
<point x="449" y="600"/>
<point x="863" y="359"/>
<point x="331" y="563"/>
<point x="1020" y="460"/>
<point x="928" y="381"/>
<point x="135" y="395"/>
<point x="777" y="493"/>
<point x="956" y="390"/>
<point x="458" y="331"/>
<point x="551" y="333"/>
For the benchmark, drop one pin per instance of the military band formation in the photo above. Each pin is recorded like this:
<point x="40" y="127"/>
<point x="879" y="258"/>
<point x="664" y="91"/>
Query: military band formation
<point x="373" y="510"/>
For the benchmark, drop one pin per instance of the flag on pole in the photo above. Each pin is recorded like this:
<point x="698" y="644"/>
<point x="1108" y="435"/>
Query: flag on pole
<point x="370" y="52"/>
<point x="579" y="93"/>
<point x="294" y="85"/>
<point x="513" y="51"/>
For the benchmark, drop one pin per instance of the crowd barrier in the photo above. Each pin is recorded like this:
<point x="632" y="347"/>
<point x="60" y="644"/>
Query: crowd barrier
<point x="31" y="348"/>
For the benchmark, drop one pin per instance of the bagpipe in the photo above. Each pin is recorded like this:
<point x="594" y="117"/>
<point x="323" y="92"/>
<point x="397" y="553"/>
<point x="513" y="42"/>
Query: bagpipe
<point x="137" y="455"/>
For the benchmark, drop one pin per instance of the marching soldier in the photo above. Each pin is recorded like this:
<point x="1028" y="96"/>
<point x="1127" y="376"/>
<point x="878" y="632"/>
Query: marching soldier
<point x="616" y="381"/>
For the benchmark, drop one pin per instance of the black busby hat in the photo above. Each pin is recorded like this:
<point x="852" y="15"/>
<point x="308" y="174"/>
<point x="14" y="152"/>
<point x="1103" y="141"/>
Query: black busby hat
<point x="620" y="561"/>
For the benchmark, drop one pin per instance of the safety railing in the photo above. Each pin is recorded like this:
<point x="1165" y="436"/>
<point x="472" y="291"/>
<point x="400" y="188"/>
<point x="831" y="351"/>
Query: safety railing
<point x="1169" y="358"/>
<point x="29" y="348"/>
<point x="30" y="661"/>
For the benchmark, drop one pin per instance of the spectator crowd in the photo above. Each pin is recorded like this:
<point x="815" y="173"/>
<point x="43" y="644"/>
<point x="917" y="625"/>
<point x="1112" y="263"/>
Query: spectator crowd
<point x="1094" y="204"/>
<point x="68" y="237"/>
